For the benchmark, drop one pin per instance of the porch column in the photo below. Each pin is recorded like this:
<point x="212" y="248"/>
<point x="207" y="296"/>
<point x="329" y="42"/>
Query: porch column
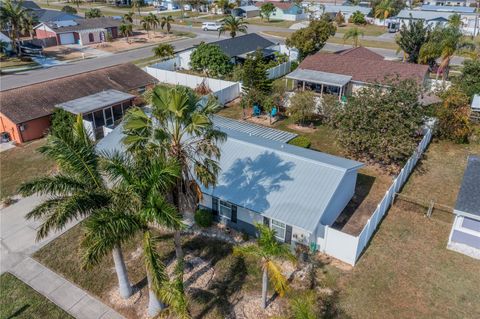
<point x="340" y="94"/>
<point x="321" y="91"/>
<point x="304" y="85"/>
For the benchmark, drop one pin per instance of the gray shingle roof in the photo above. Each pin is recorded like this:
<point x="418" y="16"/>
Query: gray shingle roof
<point x="86" y="24"/>
<point x="243" y="44"/>
<point x="468" y="199"/>
<point x="45" y="15"/>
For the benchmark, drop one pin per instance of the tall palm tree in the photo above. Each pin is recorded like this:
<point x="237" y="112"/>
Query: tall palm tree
<point x="383" y="10"/>
<point x="163" y="50"/>
<point x="267" y="250"/>
<point x="146" y="180"/>
<point x="233" y="25"/>
<point x="181" y="129"/>
<point x="77" y="2"/>
<point x="353" y="33"/>
<point x="28" y="23"/>
<point x="455" y="21"/>
<point x="126" y="30"/>
<point x="128" y="17"/>
<point x="167" y="21"/>
<point x="12" y="17"/>
<point x="77" y="191"/>
<point x="154" y="21"/>
<point x="146" y="24"/>
<point x="136" y="4"/>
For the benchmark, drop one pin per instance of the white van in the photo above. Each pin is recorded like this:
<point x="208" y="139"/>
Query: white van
<point x="211" y="26"/>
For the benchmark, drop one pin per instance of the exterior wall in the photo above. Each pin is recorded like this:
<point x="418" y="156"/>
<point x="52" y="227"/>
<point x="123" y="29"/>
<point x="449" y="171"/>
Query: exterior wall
<point x="340" y="198"/>
<point x="465" y="236"/>
<point x="35" y="129"/>
<point x="84" y="37"/>
<point x="42" y="34"/>
<point x="8" y="126"/>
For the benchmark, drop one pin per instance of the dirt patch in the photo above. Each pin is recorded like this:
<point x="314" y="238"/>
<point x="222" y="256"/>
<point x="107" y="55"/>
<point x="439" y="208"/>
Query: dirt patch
<point x="64" y="53"/>
<point x="140" y="39"/>
<point x="303" y="129"/>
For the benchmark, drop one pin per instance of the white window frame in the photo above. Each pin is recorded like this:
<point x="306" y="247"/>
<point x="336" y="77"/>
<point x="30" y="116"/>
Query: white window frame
<point x="278" y="225"/>
<point x="226" y="205"/>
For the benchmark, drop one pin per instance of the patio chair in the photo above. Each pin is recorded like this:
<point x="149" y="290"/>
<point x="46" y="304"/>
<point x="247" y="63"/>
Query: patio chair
<point x="256" y="110"/>
<point x="274" y="112"/>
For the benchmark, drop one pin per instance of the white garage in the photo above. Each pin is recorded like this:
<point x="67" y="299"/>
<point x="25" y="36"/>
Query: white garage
<point x="67" y="38"/>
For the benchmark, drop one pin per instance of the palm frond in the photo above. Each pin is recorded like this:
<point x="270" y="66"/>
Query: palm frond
<point x="158" y="210"/>
<point x="52" y="185"/>
<point x="153" y="263"/>
<point x="276" y="277"/>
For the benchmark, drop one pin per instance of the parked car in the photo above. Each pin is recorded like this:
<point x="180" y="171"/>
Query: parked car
<point x="211" y="26"/>
<point x="162" y="8"/>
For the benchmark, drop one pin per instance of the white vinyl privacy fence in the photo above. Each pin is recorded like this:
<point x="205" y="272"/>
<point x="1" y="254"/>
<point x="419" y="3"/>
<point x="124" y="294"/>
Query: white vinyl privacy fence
<point x="348" y="248"/>
<point x="225" y="91"/>
<point x="279" y="70"/>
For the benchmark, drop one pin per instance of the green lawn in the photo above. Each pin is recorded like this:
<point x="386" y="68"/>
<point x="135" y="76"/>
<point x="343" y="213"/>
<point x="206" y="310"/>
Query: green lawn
<point x="21" y="164"/>
<point x="271" y="23"/>
<point x="369" y="29"/>
<point x="15" y="62"/>
<point x="20" y="301"/>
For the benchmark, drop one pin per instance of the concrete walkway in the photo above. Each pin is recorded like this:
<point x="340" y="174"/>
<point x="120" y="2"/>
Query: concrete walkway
<point x="17" y="244"/>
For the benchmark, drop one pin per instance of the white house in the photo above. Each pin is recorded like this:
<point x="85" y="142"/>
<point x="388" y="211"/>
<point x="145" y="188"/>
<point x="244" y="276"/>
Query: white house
<point x="294" y="190"/>
<point x="465" y="233"/>
<point x="346" y="11"/>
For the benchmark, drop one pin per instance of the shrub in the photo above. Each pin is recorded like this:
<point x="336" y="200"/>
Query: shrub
<point x="203" y="218"/>
<point x="62" y="122"/>
<point x="245" y="236"/>
<point x="357" y="18"/>
<point x="301" y="141"/>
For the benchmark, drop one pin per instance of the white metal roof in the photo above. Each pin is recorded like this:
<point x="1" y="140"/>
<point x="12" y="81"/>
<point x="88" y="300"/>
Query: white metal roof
<point x="95" y="101"/>
<point x="335" y="8"/>
<point x="423" y="15"/>
<point x="319" y="77"/>
<point x="476" y="102"/>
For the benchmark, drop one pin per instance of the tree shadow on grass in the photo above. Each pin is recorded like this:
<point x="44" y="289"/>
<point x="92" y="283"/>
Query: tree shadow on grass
<point x="222" y="292"/>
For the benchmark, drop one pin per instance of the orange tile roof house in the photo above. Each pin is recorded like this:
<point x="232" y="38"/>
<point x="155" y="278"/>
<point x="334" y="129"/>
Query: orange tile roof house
<point x="26" y="111"/>
<point x="344" y="72"/>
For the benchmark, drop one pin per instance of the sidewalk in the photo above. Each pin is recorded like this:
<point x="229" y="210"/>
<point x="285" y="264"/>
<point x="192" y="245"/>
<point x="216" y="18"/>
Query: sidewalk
<point x="17" y="244"/>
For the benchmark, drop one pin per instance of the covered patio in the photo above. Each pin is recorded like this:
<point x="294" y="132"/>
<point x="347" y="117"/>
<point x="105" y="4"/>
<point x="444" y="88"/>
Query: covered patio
<point x="101" y="111"/>
<point x="318" y="82"/>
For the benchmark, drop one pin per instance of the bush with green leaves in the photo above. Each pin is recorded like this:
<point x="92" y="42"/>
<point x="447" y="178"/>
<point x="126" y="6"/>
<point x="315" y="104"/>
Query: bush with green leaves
<point x="303" y="107"/>
<point x="357" y="18"/>
<point x="62" y="122"/>
<point x="211" y="60"/>
<point x="203" y="218"/>
<point x="382" y="123"/>
<point x="454" y="116"/>
<point x="69" y="9"/>
<point x="93" y="13"/>
<point x="469" y="80"/>
<point x="301" y="141"/>
<point x="311" y="39"/>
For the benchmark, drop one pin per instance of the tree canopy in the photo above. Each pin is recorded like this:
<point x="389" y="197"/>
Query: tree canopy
<point x="381" y="123"/>
<point x="411" y="37"/>
<point x="93" y="13"/>
<point x="469" y="80"/>
<point x="69" y="9"/>
<point x="211" y="60"/>
<point x="302" y="106"/>
<point x="254" y="73"/>
<point x="454" y="116"/>
<point x="357" y="18"/>
<point x="311" y="39"/>
<point x="267" y="9"/>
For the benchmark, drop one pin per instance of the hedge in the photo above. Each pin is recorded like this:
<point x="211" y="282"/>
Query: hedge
<point x="203" y="218"/>
<point x="301" y="141"/>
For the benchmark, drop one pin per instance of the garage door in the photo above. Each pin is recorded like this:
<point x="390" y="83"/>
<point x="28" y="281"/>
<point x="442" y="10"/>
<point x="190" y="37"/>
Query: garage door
<point x="67" y="38"/>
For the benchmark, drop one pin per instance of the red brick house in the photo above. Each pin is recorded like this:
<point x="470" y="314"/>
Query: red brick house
<point x="79" y="31"/>
<point x="26" y="111"/>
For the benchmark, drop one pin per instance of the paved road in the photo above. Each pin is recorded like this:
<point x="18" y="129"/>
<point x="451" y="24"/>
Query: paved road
<point x="39" y="75"/>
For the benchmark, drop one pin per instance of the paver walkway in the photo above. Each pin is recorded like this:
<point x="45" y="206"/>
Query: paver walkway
<point x="17" y="244"/>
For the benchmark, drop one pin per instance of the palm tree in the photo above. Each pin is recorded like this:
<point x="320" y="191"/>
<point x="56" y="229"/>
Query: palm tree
<point x="12" y="16"/>
<point x="78" y="190"/>
<point x="353" y="33"/>
<point x="455" y="21"/>
<point x="146" y="24"/>
<point x="233" y="25"/>
<point x="28" y="23"/>
<point x="146" y="180"/>
<point x="128" y="17"/>
<point x="126" y="30"/>
<point x="267" y="250"/>
<point x="184" y="132"/>
<point x="163" y="50"/>
<point x="77" y="2"/>
<point x="166" y="21"/>
<point x="136" y="4"/>
<point x="154" y="21"/>
<point x="383" y="10"/>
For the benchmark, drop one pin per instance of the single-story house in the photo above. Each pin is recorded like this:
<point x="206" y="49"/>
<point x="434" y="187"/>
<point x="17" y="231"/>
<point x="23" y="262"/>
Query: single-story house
<point x="79" y="31"/>
<point x="262" y="179"/>
<point x="456" y="9"/>
<point x="439" y="17"/>
<point x="449" y="3"/>
<point x="344" y="72"/>
<point x="475" y="113"/>
<point x="237" y="48"/>
<point x="26" y="111"/>
<point x="465" y="233"/>
<point x="246" y="11"/>
<point x="346" y="11"/>
<point x="46" y="15"/>
<point x="285" y="11"/>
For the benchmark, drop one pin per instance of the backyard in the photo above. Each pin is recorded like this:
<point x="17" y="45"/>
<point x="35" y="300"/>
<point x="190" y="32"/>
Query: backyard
<point x="18" y="300"/>
<point x="368" y="29"/>
<point x="21" y="164"/>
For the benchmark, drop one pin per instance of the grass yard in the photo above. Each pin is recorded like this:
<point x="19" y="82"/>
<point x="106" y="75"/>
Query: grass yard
<point x="369" y="29"/>
<point x="18" y="300"/>
<point x="271" y="23"/>
<point x="6" y="63"/>
<point x="21" y="164"/>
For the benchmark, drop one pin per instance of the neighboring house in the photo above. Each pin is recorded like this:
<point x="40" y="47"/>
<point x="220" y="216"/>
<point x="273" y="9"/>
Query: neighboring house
<point x="44" y="15"/>
<point x="7" y="40"/>
<point x="286" y="11"/>
<point x="79" y="31"/>
<point x="475" y="114"/>
<point x="465" y="234"/>
<point x="449" y="3"/>
<point x="344" y="72"/>
<point x="26" y="111"/>
<point x="347" y="11"/>
<point x="262" y="179"/>
<point x="30" y="5"/>
<point x="246" y="12"/>
<point x="440" y="17"/>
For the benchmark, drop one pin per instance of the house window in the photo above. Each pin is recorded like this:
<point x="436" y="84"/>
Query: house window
<point x="279" y="229"/>
<point x="91" y="38"/>
<point x="225" y="209"/>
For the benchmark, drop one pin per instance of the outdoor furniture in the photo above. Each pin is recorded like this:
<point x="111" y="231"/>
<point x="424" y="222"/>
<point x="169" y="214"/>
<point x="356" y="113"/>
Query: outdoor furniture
<point x="274" y="112"/>
<point x="256" y="110"/>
